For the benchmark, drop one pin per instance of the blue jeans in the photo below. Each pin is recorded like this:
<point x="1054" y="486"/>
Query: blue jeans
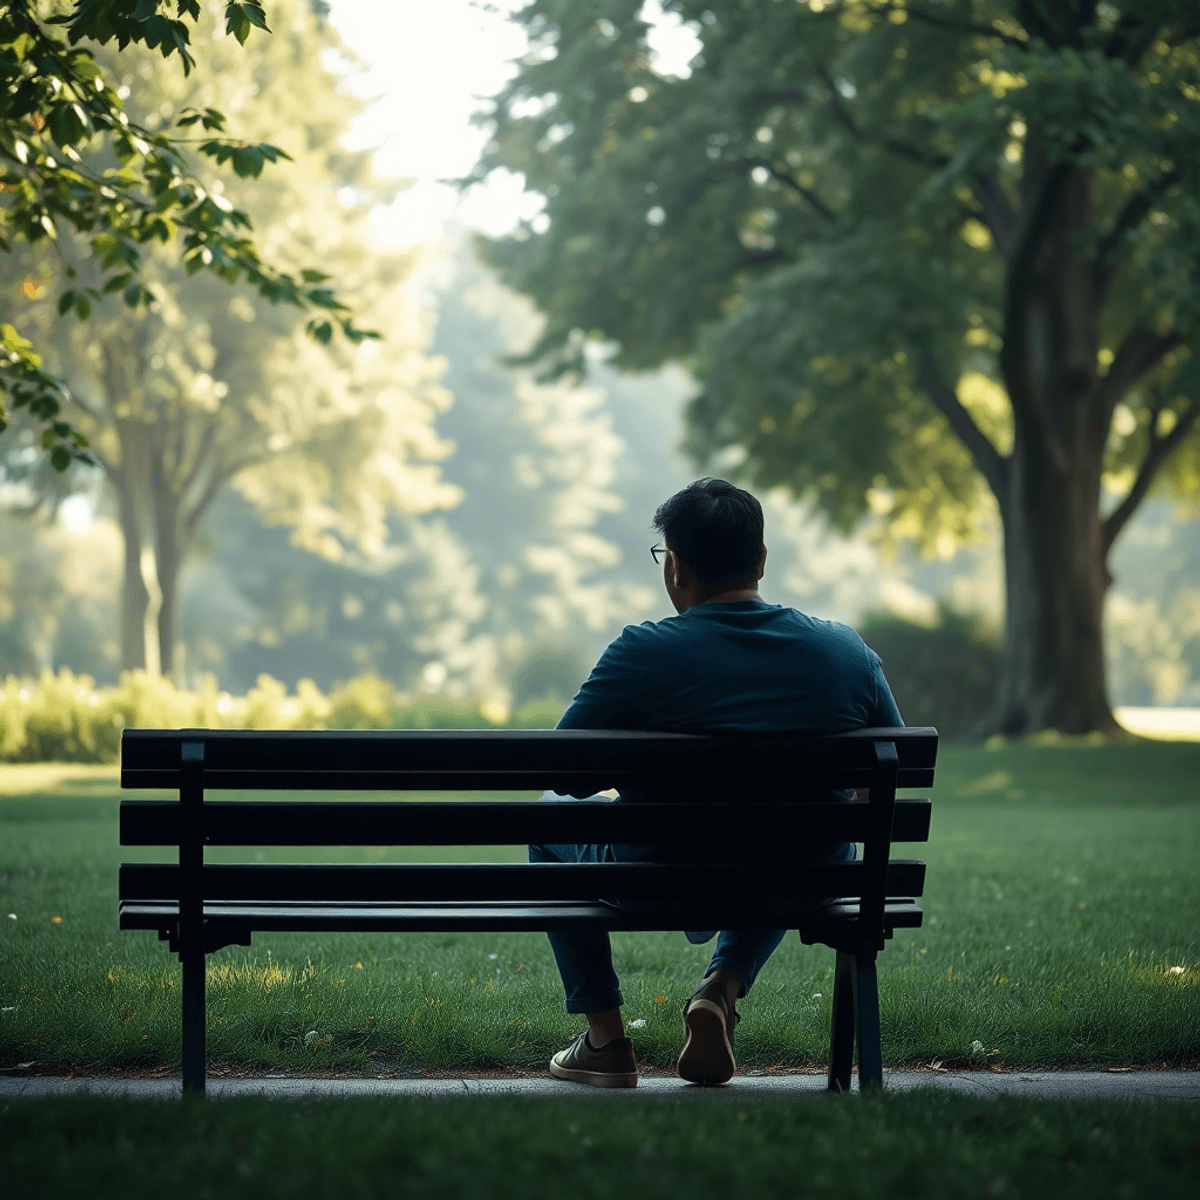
<point x="584" y="956"/>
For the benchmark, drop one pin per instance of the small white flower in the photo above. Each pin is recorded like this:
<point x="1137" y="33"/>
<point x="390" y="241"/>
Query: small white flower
<point x="13" y="1008"/>
<point x="12" y="916"/>
<point x="1176" y="970"/>
<point x="816" y="995"/>
<point x="640" y="1023"/>
<point x="493" y="956"/>
<point x="310" y="1037"/>
<point x="976" y="1047"/>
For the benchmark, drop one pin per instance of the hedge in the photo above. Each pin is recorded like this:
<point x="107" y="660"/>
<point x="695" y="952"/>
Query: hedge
<point x="64" y="717"/>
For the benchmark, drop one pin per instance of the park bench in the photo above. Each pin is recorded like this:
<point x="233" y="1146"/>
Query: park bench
<point x="200" y="908"/>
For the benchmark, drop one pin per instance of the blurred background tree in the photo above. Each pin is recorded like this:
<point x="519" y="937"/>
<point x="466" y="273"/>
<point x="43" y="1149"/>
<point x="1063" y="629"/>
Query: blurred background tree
<point x="207" y="389"/>
<point x="73" y="161"/>
<point x="925" y="258"/>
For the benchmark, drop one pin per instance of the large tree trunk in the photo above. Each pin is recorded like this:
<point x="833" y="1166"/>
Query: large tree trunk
<point x="1055" y="580"/>
<point x="1055" y="552"/>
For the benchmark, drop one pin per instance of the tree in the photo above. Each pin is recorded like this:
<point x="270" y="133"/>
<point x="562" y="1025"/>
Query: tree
<point x="73" y="160"/>
<point x="912" y="250"/>
<point x="204" y="390"/>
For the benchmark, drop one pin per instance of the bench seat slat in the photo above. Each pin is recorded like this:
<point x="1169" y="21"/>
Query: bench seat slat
<point x="493" y="823"/>
<point x="900" y="912"/>
<point x="527" y="882"/>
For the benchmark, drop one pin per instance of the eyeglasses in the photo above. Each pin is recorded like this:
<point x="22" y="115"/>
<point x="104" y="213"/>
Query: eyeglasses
<point x="655" y="551"/>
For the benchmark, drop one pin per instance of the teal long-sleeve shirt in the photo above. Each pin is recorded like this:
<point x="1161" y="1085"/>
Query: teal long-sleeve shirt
<point x="748" y="666"/>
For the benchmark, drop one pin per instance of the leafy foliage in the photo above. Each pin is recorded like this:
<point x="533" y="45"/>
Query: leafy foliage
<point x="206" y="390"/>
<point x="71" y="158"/>
<point x="822" y="213"/>
<point x="942" y="674"/>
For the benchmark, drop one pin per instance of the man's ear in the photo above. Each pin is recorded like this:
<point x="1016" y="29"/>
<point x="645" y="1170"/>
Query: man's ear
<point x="762" y="562"/>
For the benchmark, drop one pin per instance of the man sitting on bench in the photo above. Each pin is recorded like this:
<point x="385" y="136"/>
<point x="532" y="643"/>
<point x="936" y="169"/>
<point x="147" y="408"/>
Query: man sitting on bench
<point x="728" y="663"/>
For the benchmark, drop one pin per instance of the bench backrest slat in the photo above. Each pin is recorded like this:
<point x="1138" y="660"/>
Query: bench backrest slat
<point x="398" y="883"/>
<point x="497" y="823"/>
<point x="575" y="761"/>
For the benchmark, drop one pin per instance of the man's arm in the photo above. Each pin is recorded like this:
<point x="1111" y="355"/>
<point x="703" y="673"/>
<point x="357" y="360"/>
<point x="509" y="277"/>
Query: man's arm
<point x="885" y="714"/>
<point x="610" y="696"/>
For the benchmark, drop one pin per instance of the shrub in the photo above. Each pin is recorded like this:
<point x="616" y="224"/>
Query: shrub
<point x="65" y="718"/>
<point x="943" y="674"/>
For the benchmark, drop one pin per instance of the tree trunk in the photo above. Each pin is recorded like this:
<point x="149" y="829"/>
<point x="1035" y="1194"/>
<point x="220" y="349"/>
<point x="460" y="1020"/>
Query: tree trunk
<point x="135" y="596"/>
<point x="168" y="557"/>
<point x="1055" y="553"/>
<point x="1055" y="583"/>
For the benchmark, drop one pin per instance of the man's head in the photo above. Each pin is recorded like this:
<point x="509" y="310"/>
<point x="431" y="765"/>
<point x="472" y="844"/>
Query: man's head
<point x="714" y="537"/>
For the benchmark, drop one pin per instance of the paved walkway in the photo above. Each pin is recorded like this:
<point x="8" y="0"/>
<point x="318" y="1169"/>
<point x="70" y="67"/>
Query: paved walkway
<point x="1178" y="1085"/>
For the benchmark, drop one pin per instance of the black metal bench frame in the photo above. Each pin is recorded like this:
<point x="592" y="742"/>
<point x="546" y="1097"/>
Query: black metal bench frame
<point x="199" y="908"/>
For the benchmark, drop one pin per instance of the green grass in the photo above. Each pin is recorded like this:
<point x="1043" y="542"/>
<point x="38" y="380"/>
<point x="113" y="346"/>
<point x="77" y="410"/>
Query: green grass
<point x="1062" y="891"/>
<point x="928" y="1144"/>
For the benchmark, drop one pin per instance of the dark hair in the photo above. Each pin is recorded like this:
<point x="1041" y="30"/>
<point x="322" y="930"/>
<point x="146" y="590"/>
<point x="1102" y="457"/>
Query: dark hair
<point x="716" y="528"/>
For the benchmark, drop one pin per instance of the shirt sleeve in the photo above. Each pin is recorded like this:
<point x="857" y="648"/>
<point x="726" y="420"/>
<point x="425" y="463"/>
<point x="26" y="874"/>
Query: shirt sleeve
<point x="608" y="697"/>
<point x="885" y="714"/>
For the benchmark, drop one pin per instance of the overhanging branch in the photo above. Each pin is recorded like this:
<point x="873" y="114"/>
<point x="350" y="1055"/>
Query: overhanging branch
<point x="1159" y="451"/>
<point x="992" y="465"/>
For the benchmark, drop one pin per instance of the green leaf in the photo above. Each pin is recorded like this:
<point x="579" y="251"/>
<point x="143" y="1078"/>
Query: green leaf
<point x="65" y="301"/>
<point x="117" y="282"/>
<point x="83" y="307"/>
<point x="132" y="295"/>
<point x="60" y="458"/>
<point x="248" y="161"/>
<point x="237" y="23"/>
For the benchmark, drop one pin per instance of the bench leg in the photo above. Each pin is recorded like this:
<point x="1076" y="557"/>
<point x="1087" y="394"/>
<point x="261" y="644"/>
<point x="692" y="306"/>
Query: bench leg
<point x="193" y="1021"/>
<point x="841" y="1036"/>
<point x="866" y="1021"/>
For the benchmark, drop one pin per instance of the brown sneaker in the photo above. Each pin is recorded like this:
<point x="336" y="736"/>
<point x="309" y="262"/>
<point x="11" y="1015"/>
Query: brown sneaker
<point x="707" y="1055"/>
<point x="613" y="1065"/>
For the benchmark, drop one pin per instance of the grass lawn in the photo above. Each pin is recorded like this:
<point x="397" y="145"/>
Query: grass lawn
<point x="928" y="1144"/>
<point x="1060" y="930"/>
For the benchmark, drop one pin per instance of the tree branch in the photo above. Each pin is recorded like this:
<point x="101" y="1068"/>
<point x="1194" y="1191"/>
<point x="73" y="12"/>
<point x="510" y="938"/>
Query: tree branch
<point x="999" y="213"/>
<point x="1131" y="215"/>
<point x="920" y="14"/>
<point x="216" y="482"/>
<point x="795" y="185"/>
<point x="842" y="113"/>
<point x="992" y="465"/>
<point x="1159" y="451"/>
<point x="1141" y="350"/>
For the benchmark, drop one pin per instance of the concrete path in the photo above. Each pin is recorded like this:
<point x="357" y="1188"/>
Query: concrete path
<point x="1178" y="1085"/>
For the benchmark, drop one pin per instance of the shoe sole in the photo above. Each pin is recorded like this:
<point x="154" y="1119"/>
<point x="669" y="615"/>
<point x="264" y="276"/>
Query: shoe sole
<point x="707" y="1055"/>
<point x="605" y="1079"/>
